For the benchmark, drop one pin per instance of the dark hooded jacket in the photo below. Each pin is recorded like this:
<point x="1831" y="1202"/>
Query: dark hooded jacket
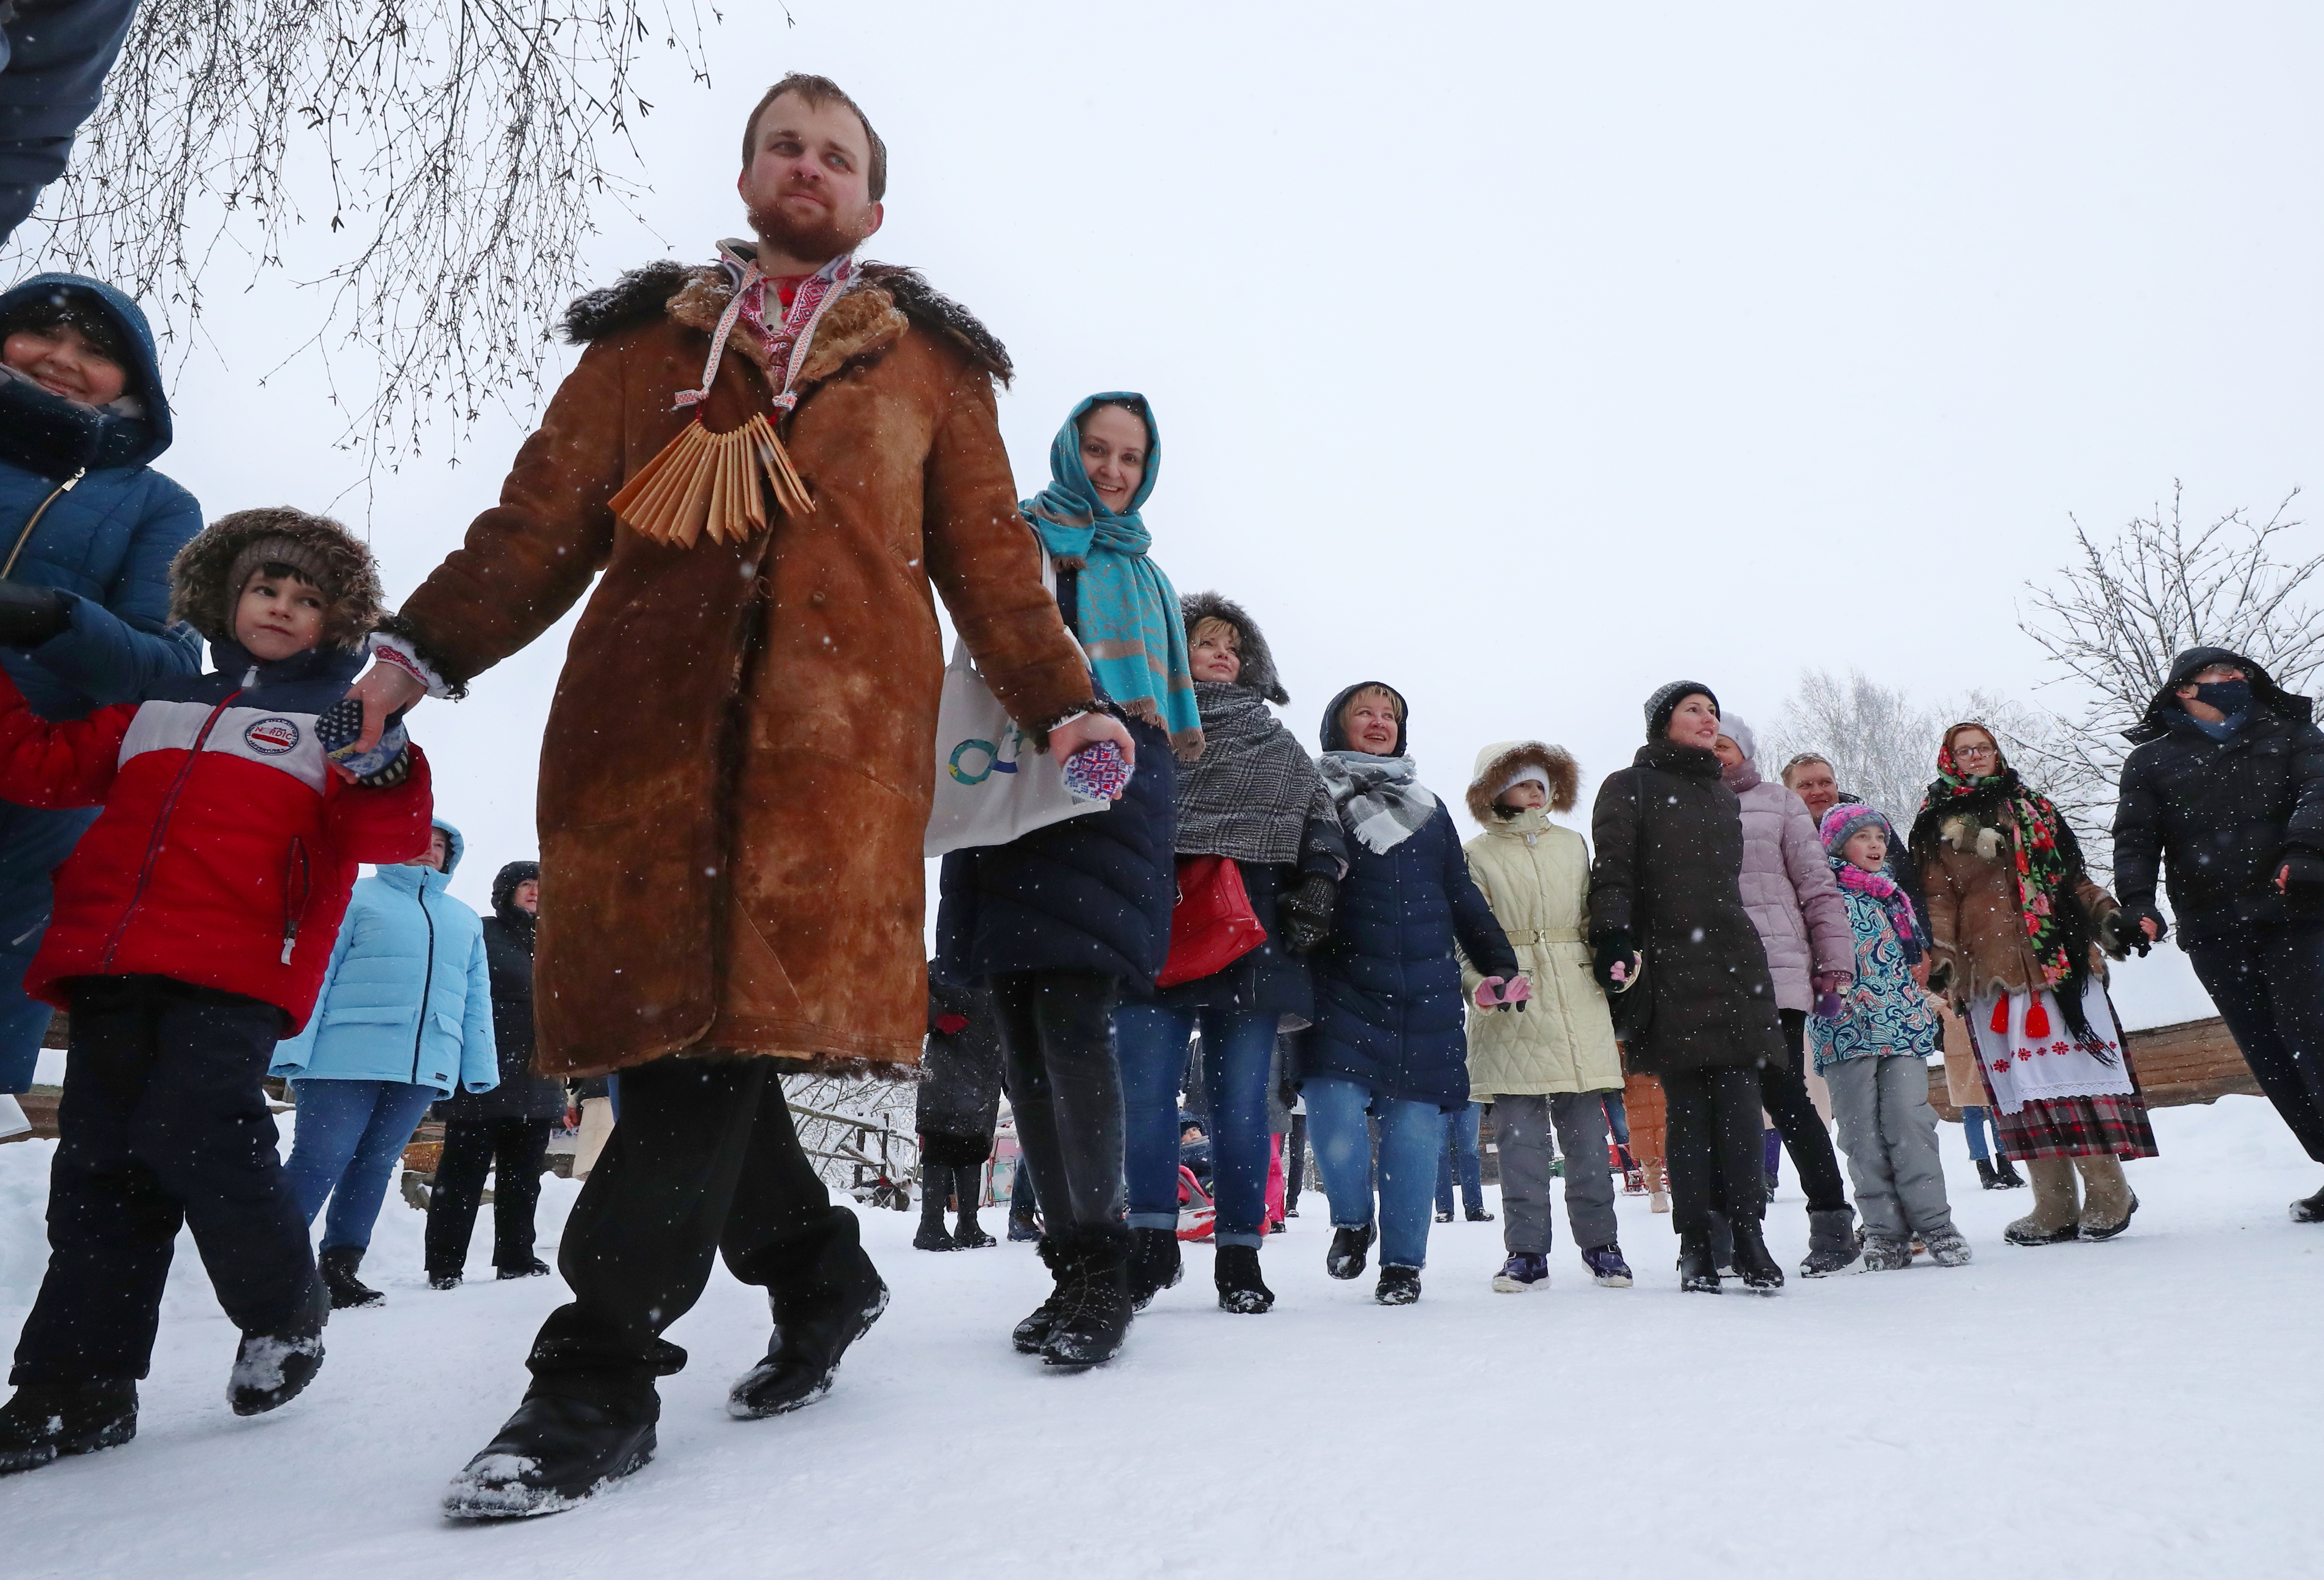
<point x="508" y="956"/>
<point x="1389" y="1014"/>
<point x="1667" y="874"/>
<point x="55" y="54"/>
<point x="959" y="1100"/>
<point x="2217" y="820"/>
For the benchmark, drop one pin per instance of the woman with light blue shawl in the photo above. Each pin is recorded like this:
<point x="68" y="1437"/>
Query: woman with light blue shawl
<point x="1062" y="922"/>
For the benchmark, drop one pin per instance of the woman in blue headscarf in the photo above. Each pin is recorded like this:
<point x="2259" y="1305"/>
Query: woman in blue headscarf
<point x="1063" y="921"/>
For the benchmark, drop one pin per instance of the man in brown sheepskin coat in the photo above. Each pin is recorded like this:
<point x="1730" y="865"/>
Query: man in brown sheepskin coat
<point x="738" y="767"/>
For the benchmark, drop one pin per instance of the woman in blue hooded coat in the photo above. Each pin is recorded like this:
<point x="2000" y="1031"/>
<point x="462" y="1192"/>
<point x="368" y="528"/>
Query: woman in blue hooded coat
<point x="88" y="529"/>
<point x="405" y="1018"/>
<point x="1390" y="1042"/>
<point x="1063" y="921"/>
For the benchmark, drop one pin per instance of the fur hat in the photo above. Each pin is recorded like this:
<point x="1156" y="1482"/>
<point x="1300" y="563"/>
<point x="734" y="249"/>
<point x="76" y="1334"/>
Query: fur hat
<point x="209" y="573"/>
<point x="1665" y="701"/>
<point x="1503" y="763"/>
<point x="1258" y="660"/>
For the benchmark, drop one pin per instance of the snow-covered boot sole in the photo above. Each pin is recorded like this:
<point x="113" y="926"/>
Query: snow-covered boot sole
<point x="1885" y="1256"/>
<point x="1948" y="1249"/>
<point x="794" y="1374"/>
<point x="1350" y="1248"/>
<point x="1398" y="1286"/>
<point x="555" y="1453"/>
<point x="1094" y="1312"/>
<point x="45" y="1420"/>
<point x="271" y="1369"/>
<point x="2309" y="1209"/>
<point x="968" y="1235"/>
<point x="933" y="1239"/>
<point x="1242" y="1291"/>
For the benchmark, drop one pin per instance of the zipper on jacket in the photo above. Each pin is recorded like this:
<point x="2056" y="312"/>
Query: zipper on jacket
<point x="297" y="883"/>
<point x="161" y="827"/>
<point x="427" y="983"/>
<point x="26" y="535"/>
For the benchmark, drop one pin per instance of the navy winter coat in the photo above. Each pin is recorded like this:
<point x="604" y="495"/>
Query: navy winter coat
<point x="54" y="55"/>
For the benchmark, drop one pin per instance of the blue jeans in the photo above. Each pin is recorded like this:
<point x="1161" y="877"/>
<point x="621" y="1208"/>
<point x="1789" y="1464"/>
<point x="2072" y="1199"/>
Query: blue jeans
<point x="33" y="844"/>
<point x="349" y="1134"/>
<point x="1617" y="1118"/>
<point x="1977" y="1121"/>
<point x="1238" y="1051"/>
<point x="1411" y="1136"/>
<point x="1461" y="1148"/>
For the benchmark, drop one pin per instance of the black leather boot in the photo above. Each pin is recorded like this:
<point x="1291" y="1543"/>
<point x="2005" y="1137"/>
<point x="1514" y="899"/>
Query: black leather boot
<point x="45" y="1420"/>
<point x="572" y="1436"/>
<point x="1154" y="1264"/>
<point x="1240" y="1289"/>
<point x="816" y="1317"/>
<point x="1033" y="1332"/>
<point x="1350" y="1249"/>
<point x="338" y="1265"/>
<point x="272" y="1368"/>
<point x="1091" y="1327"/>
<point x="1760" y="1273"/>
<point x="1698" y="1275"/>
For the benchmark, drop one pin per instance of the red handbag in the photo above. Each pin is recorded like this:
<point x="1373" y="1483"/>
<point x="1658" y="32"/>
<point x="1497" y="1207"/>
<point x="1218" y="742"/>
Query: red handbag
<point x="1213" y="925"/>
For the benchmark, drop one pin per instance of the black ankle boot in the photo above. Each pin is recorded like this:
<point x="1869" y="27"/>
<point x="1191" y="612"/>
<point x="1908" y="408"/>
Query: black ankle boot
<point x="1350" y="1249"/>
<point x="45" y="1420"/>
<point x="818" y="1314"/>
<point x="1760" y="1274"/>
<point x="271" y="1368"/>
<point x="338" y="1265"/>
<point x="570" y="1438"/>
<point x="1154" y="1264"/>
<point x="1240" y="1289"/>
<point x="967" y="1234"/>
<point x="2011" y="1179"/>
<point x="1033" y="1332"/>
<point x="1986" y="1176"/>
<point x="1698" y="1275"/>
<point x="1092" y="1322"/>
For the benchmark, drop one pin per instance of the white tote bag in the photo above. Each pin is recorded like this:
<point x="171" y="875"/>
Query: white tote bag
<point x="992" y="785"/>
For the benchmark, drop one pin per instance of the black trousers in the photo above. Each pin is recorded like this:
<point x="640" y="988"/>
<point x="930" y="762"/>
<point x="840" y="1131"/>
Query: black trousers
<point x="1783" y="1093"/>
<point x="511" y="1149"/>
<point x="161" y="1123"/>
<point x="703" y="1163"/>
<point x="2269" y="988"/>
<point x="1712" y="1150"/>
<point x="1064" y="1086"/>
<point x="1294" y="1159"/>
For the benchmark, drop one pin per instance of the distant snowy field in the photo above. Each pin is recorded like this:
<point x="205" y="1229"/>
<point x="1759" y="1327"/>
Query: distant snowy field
<point x="2147" y="1407"/>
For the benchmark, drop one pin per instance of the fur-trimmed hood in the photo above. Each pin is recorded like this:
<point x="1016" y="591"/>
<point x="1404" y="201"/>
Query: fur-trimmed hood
<point x="1258" y="671"/>
<point x="881" y="302"/>
<point x="1502" y="761"/>
<point x="2166" y="709"/>
<point x="199" y="596"/>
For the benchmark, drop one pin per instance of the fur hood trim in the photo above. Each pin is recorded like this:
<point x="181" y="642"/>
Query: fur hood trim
<point x="1258" y="671"/>
<point x="1498" y="764"/>
<point x="891" y="300"/>
<point x="198" y="595"/>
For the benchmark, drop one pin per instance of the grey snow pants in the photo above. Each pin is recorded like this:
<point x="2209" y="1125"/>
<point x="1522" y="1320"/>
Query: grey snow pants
<point x="1889" y="1133"/>
<point x="1521" y="1125"/>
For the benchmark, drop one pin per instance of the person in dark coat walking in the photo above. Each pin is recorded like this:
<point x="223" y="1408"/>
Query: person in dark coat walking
<point x="88" y="529"/>
<point x="1064" y="921"/>
<point x="1255" y="800"/>
<point x="504" y="1131"/>
<point x="1666" y="899"/>
<point x="957" y="1108"/>
<point x="2223" y="796"/>
<point x="1390" y="1040"/>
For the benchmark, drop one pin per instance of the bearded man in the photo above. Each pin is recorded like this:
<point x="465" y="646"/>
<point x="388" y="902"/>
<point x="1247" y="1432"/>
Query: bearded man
<point x="739" y="763"/>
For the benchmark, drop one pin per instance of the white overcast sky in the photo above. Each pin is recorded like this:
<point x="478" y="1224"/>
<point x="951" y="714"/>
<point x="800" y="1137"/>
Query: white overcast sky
<point x="1523" y="357"/>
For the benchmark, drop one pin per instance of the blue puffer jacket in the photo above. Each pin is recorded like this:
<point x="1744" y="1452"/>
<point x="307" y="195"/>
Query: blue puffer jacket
<point x="1389" y="1014"/>
<point x="409" y="995"/>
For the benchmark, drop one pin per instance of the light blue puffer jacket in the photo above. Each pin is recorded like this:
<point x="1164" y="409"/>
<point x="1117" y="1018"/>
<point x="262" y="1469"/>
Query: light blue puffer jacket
<point x="408" y="997"/>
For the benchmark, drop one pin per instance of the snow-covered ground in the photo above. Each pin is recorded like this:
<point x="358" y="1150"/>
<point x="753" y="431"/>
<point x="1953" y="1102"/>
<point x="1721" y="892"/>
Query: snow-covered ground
<point x="2144" y="1407"/>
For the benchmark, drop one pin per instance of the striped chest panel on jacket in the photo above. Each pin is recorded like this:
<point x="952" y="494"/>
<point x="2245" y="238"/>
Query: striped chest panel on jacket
<point x="268" y="738"/>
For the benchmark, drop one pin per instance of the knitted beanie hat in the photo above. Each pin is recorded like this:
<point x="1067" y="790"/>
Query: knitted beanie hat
<point x="1665" y="703"/>
<point x="1731" y="726"/>
<point x="1842" y="822"/>
<point x="278" y="550"/>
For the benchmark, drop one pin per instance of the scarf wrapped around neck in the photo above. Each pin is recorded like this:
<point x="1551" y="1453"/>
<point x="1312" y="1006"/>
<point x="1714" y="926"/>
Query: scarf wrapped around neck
<point x="1380" y="799"/>
<point x="1129" y="612"/>
<point x="2043" y="856"/>
<point x="1252" y="792"/>
<point x="1881" y="887"/>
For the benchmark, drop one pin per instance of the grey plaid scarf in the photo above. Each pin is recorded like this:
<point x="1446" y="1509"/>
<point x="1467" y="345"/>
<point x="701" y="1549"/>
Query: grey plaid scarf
<point x="1251" y="792"/>
<point x="1379" y="800"/>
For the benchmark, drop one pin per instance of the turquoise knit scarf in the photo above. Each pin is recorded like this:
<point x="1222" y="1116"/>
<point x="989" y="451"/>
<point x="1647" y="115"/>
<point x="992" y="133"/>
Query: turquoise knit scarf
<point x="1130" y="621"/>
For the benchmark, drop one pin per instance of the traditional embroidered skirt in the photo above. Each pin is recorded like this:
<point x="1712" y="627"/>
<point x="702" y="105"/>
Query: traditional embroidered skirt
<point x="2073" y="1097"/>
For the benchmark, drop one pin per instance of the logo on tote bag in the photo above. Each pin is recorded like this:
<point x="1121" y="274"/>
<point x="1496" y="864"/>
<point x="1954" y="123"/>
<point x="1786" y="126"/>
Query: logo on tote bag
<point x="975" y="761"/>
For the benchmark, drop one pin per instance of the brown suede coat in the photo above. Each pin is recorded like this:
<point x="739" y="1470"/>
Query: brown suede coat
<point x="1974" y="920"/>
<point x="740" y="759"/>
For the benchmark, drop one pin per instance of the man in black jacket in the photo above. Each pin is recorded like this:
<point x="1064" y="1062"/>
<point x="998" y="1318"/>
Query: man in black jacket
<point x="2226" y="787"/>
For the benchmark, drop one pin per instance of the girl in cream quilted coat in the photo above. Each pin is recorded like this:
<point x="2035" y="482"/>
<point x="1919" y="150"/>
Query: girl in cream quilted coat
<point x="1553" y="1065"/>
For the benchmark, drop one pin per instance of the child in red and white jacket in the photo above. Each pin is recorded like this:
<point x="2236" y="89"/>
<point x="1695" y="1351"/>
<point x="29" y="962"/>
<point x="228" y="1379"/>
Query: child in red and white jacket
<point x="191" y="931"/>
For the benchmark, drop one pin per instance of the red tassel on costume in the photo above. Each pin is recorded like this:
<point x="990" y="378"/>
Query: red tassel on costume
<point x="2037" y="1021"/>
<point x="2001" y="1015"/>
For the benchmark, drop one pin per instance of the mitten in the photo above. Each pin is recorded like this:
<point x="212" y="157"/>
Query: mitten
<point x="1830" y="982"/>
<point x="1828" y="1005"/>
<point x="384" y="766"/>
<point x="30" y="615"/>
<point x="1307" y="913"/>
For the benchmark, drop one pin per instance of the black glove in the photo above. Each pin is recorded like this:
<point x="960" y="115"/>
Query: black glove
<point x="2300" y="869"/>
<point x="2121" y="937"/>
<point x="2128" y="919"/>
<point x="30" y="615"/>
<point x="1307" y="913"/>
<point x="1610" y="950"/>
<point x="1941" y="976"/>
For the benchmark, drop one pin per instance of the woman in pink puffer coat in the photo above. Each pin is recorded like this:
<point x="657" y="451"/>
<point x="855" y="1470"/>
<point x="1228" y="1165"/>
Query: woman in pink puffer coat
<point x="1802" y="922"/>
